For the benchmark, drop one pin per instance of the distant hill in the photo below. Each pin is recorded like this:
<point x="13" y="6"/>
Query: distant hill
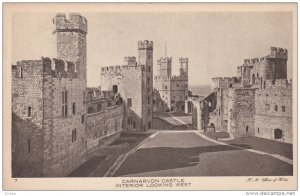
<point x="202" y="90"/>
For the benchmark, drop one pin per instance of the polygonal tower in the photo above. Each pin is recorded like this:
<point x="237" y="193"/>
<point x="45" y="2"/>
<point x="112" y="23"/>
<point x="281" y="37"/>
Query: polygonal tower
<point x="165" y="67"/>
<point x="184" y="66"/>
<point x="71" y="40"/>
<point x="145" y="58"/>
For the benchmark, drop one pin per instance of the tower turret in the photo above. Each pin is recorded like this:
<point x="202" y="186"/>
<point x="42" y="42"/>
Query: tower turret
<point x="165" y="66"/>
<point x="184" y="66"/>
<point x="71" y="40"/>
<point x="145" y="53"/>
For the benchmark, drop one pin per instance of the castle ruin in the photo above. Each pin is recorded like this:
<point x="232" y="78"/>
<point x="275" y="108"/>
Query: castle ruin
<point x="258" y="102"/>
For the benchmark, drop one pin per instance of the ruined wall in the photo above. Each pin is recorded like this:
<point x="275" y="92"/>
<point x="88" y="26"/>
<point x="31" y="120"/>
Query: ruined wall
<point x="242" y="121"/>
<point x="27" y="126"/>
<point x="274" y="111"/>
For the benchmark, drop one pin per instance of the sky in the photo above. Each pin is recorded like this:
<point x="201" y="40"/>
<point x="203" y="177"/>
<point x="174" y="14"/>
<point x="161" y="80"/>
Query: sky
<point x="215" y="42"/>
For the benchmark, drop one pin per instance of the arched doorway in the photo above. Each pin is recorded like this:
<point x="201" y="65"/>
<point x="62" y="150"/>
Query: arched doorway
<point x="277" y="134"/>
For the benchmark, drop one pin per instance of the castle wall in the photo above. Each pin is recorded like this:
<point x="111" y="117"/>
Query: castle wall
<point x="103" y="126"/>
<point x="71" y="40"/>
<point x="243" y="112"/>
<point x="55" y="91"/>
<point x="274" y="111"/>
<point x="61" y="153"/>
<point x="179" y="90"/>
<point x="27" y="130"/>
<point x="163" y="86"/>
<point x="128" y="79"/>
<point x="173" y="90"/>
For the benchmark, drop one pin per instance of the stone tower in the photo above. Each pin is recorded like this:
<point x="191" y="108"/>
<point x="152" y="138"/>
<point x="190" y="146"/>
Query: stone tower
<point x="71" y="40"/>
<point x="184" y="66"/>
<point x="165" y="67"/>
<point x="145" y="58"/>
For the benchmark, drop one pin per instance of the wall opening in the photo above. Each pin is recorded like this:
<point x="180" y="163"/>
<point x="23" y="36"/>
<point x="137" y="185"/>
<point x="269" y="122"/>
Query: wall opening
<point x="247" y="129"/>
<point x="253" y="79"/>
<point x="277" y="134"/>
<point x="28" y="145"/>
<point x="29" y="111"/>
<point x="189" y="107"/>
<point x="115" y="89"/>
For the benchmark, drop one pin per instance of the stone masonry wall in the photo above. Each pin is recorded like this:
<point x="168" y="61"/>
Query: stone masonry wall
<point x="61" y="154"/>
<point x="243" y="113"/>
<point x="129" y="82"/>
<point x="27" y="130"/>
<point x="103" y="124"/>
<point x="274" y="111"/>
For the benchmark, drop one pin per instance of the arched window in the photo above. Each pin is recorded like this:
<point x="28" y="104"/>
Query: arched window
<point x="253" y="79"/>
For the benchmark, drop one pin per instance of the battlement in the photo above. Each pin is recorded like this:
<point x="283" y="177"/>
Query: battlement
<point x="130" y="60"/>
<point x="224" y="78"/>
<point x="59" y="68"/>
<point x="183" y="60"/>
<point x="281" y="53"/>
<point x="174" y="78"/>
<point x="71" y="23"/>
<point x="274" y="53"/>
<point x="45" y="66"/>
<point x="145" y="45"/>
<point x="220" y="82"/>
<point x="120" y="68"/>
<point x="164" y="60"/>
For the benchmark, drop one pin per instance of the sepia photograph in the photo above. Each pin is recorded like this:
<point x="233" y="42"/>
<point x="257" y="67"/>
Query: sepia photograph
<point x="150" y="96"/>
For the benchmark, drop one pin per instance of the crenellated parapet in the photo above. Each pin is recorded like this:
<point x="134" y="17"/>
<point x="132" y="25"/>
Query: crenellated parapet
<point x="178" y="78"/>
<point x="74" y="22"/>
<point x="59" y="68"/>
<point x="280" y="53"/>
<point x="146" y="44"/>
<point x="109" y="70"/>
<point x="46" y="66"/>
<point x="164" y="60"/>
<point x="130" y="60"/>
<point x="225" y="82"/>
<point x="183" y="60"/>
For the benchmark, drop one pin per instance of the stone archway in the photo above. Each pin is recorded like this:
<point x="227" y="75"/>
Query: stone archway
<point x="278" y="134"/>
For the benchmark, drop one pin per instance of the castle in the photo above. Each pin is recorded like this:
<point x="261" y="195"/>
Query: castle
<point x="170" y="92"/>
<point x="134" y="82"/>
<point x="56" y="120"/>
<point x="258" y="102"/>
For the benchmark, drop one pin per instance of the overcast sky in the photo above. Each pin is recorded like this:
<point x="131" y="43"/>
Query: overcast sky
<point x="215" y="42"/>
